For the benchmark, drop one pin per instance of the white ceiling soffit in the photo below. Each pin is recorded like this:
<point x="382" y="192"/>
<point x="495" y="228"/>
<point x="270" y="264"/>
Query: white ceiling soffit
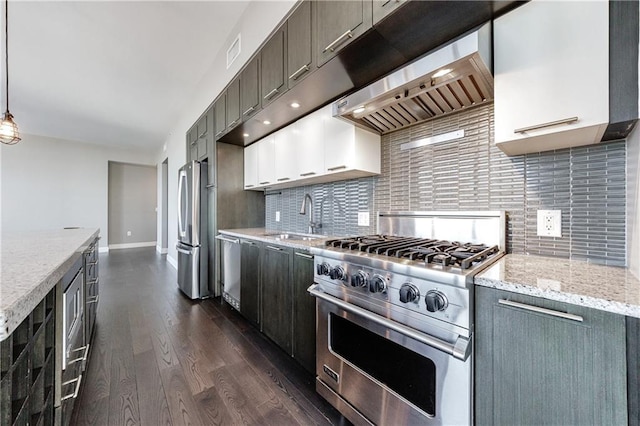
<point x="115" y="73"/>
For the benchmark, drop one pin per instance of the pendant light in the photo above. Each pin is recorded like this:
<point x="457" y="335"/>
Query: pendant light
<point x="8" y="128"/>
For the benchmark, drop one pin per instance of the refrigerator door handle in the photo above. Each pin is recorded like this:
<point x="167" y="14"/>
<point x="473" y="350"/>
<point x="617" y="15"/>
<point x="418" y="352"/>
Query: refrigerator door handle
<point x="183" y="251"/>
<point x="181" y="178"/>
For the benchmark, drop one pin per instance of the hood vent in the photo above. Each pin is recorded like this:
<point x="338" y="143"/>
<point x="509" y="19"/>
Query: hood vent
<point x="452" y="78"/>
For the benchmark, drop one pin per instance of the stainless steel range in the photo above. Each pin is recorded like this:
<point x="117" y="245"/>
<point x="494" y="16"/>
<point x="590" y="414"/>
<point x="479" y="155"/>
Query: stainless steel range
<point x="395" y="316"/>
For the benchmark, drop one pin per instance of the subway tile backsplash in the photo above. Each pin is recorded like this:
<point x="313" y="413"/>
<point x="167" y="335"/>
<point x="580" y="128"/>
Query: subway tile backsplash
<point x="587" y="183"/>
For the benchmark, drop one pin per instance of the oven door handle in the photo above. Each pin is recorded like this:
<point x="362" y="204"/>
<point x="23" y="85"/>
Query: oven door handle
<point x="461" y="349"/>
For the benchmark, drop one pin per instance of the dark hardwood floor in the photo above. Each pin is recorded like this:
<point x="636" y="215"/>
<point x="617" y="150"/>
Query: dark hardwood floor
<point x="158" y="358"/>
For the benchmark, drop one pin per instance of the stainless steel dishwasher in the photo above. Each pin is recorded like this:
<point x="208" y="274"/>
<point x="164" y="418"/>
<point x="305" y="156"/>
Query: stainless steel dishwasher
<point x="230" y="254"/>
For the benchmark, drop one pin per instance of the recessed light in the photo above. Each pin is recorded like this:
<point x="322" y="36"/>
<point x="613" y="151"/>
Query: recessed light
<point x="246" y="135"/>
<point x="295" y="105"/>
<point x="266" y="122"/>
<point x="358" y="110"/>
<point x="442" y="72"/>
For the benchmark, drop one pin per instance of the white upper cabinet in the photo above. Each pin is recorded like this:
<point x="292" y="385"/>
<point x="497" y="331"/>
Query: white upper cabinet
<point x="251" y="167"/>
<point x="266" y="161"/>
<point x="551" y="67"/>
<point x="309" y="140"/>
<point x="317" y="148"/>
<point x="286" y="163"/>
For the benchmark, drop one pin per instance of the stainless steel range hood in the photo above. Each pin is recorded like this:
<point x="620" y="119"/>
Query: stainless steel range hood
<point x="447" y="80"/>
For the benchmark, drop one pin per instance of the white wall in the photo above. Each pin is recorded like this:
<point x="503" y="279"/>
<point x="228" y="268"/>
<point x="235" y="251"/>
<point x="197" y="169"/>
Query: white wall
<point x="49" y="183"/>
<point x="256" y="24"/>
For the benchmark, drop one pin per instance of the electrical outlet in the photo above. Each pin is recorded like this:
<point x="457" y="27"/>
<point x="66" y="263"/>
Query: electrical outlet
<point x="277" y="216"/>
<point x="363" y="218"/>
<point x="128" y="233"/>
<point x="549" y="223"/>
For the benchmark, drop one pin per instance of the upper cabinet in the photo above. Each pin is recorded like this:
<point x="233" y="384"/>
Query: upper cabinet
<point x="381" y="8"/>
<point x="272" y="66"/>
<point x="233" y="104"/>
<point x="317" y="148"/>
<point x="338" y="23"/>
<point x="251" y="166"/>
<point x="220" y="113"/>
<point x="553" y="69"/>
<point x="250" y="89"/>
<point x="300" y="53"/>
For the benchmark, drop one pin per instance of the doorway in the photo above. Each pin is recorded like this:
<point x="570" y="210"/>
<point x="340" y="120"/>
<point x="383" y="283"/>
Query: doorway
<point x="164" y="240"/>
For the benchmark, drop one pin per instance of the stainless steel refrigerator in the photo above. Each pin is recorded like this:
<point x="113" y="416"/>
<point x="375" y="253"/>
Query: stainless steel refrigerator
<point x="192" y="230"/>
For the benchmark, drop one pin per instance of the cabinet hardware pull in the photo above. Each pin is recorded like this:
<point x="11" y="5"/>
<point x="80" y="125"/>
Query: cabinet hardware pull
<point x="233" y="123"/>
<point x="248" y="111"/>
<point x="249" y="186"/>
<point x="306" y="256"/>
<point x="274" y="248"/>
<point x="283" y="179"/>
<point x="229" y="240"/>
<point x="299" y="72"/>
<point x="461" y="349"/>
<point x="94" y="300"/>
<point x="202" y="135"/>
<point x="219" y="133"/>
<point x="541" y="310"/>
<point x="307" y="174"/>
<point x="270" y="94"/>
<point x="264" y="183"/>
<point x="549" y="124"/>
<point x="332" y="46"/>
<point x="73" y="395"/>
<point x="194" y="142"/>
<point x="331" y="169"/>
<point x="250" y="243"/>
<point x="211" y="185"/>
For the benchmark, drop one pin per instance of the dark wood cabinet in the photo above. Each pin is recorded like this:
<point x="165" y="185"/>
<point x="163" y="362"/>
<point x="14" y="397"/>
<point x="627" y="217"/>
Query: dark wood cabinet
<point x="192" y="143"/>
<point x="338" y="23"/>
<point x="300" y="52"/>
<point x="272" y="66"/>
<point x="633" y="370"/>
<point x="250" y="88"/>
<point x="250" y="281"/>
<point x="382" y="8"/>
<point x="276" y="295"/>
<point x="547" y="367"/>
<point x="233" y="104"/>
<point x="304" y="311"/>
<point x="220" y="114"/>
<point x="205" y="127"/>
<point x="91" y="288"/>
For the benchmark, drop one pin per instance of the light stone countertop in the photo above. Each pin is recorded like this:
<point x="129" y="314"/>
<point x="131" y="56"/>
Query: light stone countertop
<point x="268" y="236"/>
<point x="607" y="288"/>
<point x="31" y="264"/>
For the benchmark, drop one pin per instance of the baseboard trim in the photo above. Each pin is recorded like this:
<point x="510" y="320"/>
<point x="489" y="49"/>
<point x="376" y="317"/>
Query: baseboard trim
<point x="172" y="262"/>
<point x="131" y="245"/>
<point x="103" y="250"/>
<point x="162" y="250"/>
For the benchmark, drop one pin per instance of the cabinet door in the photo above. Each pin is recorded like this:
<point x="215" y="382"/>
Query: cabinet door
<point x="551" y="67"/>
<point x="266" y="161"/>
<point x="300" y="55"/>
<point x="304" y="311"/>
<point x="272" y="65"/>
<point x="233" y="104"/>
<point x="540" y="368"/>
<point x="250" y="281"/>
<point x="203" y="131"/>
<point x="251" y="166"/>
<point x="250" y="89"/>
<point x="309" y="141"/>
<point x="338" y="23"/>
<point x="382" y="8"/>
<point x="276" y="295"/>
<point x="220" y="108"/>
<point x="286" y="164"/>
<point x="192" y="143"/>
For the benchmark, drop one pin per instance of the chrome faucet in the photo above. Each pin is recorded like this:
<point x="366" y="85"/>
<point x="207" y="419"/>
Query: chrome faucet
<point x="303" y="210"/>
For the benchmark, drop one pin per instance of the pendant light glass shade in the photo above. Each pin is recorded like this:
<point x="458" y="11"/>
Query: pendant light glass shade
<point x="9" y="130"/>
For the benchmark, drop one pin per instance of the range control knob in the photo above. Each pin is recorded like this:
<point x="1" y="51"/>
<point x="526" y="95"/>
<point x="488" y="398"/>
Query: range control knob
<point x="377" y="284"/>
<point x="409" y="293"/>
<point x="360" y="279"/>
<point x="337" y="273"/>
<point x="323" y="268"/>
<point x="436" y="301"/>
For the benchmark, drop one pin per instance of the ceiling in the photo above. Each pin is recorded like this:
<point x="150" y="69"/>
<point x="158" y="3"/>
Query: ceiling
<point x="115" y="73"/>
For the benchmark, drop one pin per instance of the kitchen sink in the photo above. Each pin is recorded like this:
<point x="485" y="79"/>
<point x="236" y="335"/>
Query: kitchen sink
<point x="290" y="236"/>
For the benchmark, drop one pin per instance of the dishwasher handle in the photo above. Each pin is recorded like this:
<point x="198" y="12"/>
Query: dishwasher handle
<point x="227" y="239"/>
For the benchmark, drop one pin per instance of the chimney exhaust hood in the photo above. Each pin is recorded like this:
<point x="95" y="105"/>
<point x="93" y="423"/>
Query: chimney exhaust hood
<point x="447" y="80"/>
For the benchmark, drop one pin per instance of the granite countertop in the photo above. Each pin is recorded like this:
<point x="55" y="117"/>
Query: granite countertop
<point x="607" y="288"/>
<point x="269" y="236"/>
<point x="31" y="264"/>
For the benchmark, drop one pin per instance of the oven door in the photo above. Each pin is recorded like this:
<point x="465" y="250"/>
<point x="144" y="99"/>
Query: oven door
<point x="375" y="370"/>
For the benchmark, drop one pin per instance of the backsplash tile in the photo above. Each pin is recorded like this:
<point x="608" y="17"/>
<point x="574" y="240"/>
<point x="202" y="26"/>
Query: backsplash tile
<point x="587" y="183"/>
